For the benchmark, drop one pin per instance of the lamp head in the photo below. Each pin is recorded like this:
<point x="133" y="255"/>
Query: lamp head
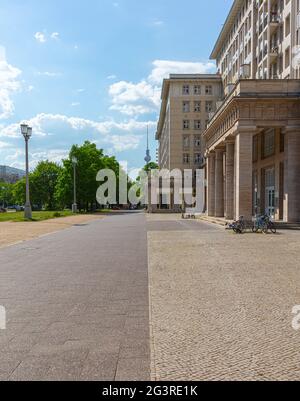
<point x="74" y="160"/>
<point x="24" y="129"/>
<point x="29" y="132"/>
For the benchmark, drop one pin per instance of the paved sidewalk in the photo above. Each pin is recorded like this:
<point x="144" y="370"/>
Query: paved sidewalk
<point x="14" y="232"/>
<point x="77" y="304"/>
<point x="221" y="304"/>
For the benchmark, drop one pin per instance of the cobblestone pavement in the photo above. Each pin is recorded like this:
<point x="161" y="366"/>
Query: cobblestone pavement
<point x="221" y="304"/>
<point x="77" y="304"/>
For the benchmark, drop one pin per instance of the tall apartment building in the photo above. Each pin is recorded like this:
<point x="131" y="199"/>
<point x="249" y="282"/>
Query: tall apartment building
<point x="187" y="102"/>
<point x="253" y="140"/>
<point x="11" y="174"/>
<point x="259" y="41"/>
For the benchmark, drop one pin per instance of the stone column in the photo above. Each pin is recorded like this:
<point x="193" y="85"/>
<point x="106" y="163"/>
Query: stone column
<point x="229" y="202"/>
<point x="243" y="174"/>
<point x="293" y="175"/>
<point x="211" y="185"/>
<point x="219" y="183"/>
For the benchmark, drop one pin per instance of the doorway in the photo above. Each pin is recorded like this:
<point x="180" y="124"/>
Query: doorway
<point x="270" y="192"/>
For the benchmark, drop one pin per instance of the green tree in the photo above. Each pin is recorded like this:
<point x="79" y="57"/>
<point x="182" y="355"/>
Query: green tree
<point x="6" y="194"/>
<point x="89" y="161"/>
<point x="151" y="166"/>
<point x="43" y="183"/>
<point x="19" y="192"/>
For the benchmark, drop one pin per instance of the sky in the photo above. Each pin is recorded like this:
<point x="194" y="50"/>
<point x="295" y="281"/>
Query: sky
<point x="92" y="70"/>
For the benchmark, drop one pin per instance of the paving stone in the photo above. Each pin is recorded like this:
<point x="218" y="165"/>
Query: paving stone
<point x="221" y="304"/>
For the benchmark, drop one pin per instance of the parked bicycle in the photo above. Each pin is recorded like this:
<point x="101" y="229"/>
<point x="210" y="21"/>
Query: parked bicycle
<point x="238" y="226"/>
<point x="264" y="224"/>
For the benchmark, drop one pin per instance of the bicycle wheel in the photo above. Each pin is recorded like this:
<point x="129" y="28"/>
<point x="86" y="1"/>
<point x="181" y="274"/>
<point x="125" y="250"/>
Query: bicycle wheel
<point x="265" y="228"/>
<point x="255" y="228"/>
<point x="272" y="227"/>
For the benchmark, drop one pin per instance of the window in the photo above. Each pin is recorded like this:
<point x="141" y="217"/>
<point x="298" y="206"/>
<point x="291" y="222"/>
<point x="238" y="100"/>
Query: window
<point x="208" y="90"/>
<point x="255" y="148"/>
<point x="269" y="143"/>
<point x="186" y="89"/>
<point x="287" y="58"/>
<point x="197" y="141"/>
<point x="186" y="124"/>
<point x="282" y="142"/>
<point x="197" y="90"/>
<point x="186" y="142"/>
<point x="198" y="158"/>
<point x="186" y="107"/>
<point x="288" y="25"/>
<point x="209" y="107"/>
<point x="197" y="107"/>
<point x="197" y="124"/>
<point x="186" y="158"/>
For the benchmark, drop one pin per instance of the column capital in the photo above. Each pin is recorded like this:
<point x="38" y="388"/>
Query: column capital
<point x="210" y="154"/>
<point x="219" y="150"/>
<point x="246" y="130"/>
<point x="291" y="128"/>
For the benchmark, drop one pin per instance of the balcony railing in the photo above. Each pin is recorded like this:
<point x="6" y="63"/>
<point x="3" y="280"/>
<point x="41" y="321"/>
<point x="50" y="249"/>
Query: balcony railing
<point x="275" y="18"/>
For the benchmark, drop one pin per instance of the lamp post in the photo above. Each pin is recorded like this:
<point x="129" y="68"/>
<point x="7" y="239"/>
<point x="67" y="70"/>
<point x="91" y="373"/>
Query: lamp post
<point x="74" y="206"/>
<point x="27" y="133"/>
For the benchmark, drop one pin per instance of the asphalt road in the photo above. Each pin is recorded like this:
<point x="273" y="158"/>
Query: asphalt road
<point x="77" y="304"/>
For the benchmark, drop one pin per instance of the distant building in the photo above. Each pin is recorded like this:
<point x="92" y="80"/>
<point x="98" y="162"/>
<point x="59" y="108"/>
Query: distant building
<point x="11" y="174"/>
<point x="188" y="100"/>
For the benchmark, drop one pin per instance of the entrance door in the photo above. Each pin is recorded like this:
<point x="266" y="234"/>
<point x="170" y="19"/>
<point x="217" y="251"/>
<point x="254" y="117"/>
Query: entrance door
<point x="270" y="193"/>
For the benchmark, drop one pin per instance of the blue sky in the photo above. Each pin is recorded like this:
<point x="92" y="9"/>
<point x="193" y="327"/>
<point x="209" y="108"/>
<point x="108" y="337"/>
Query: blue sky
<point x="93" y="69"/>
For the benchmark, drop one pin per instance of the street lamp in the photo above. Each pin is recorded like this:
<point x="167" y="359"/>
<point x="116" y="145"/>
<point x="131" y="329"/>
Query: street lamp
<point x="74" y="162"/>
<point x="27" y="133"/>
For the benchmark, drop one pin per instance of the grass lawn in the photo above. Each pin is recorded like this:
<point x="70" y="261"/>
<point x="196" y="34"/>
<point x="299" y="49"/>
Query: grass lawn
<point x="36" y="216"/>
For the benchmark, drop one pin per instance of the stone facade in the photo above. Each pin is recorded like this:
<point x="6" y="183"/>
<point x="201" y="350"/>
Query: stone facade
<point x="259" y="41"/>
<point x="253" y="148"/>
<point x="187" y="102"/>
<point x="256" y="129"/>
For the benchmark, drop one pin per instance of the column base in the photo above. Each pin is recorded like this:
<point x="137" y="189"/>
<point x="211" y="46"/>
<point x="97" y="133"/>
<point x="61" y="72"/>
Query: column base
<point x="28" y="212"/>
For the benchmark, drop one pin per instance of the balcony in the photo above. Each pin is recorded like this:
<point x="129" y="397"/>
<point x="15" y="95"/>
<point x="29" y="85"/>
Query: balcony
<point x="275" y="21"/>
<point x="274" y="53"/>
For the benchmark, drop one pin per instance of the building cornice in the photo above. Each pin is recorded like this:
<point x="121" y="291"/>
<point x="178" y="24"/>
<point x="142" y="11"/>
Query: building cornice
<point x="226" y="27"/>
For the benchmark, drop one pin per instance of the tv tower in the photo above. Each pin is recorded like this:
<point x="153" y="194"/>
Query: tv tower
<point x="148" y="157"/>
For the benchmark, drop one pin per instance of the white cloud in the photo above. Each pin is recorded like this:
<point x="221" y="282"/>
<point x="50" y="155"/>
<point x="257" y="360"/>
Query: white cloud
<point x="40" y="37"/>
<point x="9" y="84"/>
<point x="158" y="22"/>
<point x="55" y="35"/>
<point x="49" y="74"/>
<point x="4" y="145"/>
<point x="163" y="68"/>
<point x="118" y="136"/>
<point x="122" y="143"/>
<point x="75" y="104"/>
<point x="134" y="99"/>
<point x="112" y="77"/>
<point x="53" y="155"/>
